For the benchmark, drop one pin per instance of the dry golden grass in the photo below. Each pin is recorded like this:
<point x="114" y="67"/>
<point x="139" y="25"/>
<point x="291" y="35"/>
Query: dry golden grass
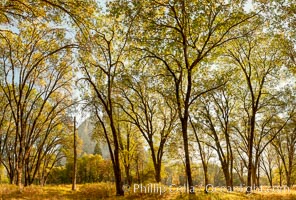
<point x="107" y="191"/>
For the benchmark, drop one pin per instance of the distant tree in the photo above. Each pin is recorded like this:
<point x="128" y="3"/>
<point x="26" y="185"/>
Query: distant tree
<point x="97" y="150"/>
<point x="268" y="164"/>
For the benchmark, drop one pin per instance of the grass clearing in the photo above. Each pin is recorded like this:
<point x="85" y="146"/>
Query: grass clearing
<point x="107" y="191"/>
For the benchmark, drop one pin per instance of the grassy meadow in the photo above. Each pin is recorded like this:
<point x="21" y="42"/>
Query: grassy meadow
<point x="107" y="191"/>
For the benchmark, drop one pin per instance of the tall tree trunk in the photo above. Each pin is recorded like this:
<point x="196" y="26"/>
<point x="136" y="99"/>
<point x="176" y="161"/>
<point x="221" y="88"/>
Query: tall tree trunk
<point x="290" y="164"/>
<point x="202" y="156"/>
<point x="206" y="176"/>
<point x="138" y="170"/>
<point x="258" y="174"/>
<point x="114" y="154"/>
<point x="253" y="176"/>
<point x="75" y="158"/>
<point x="281" y="176"/>
<point x="117" y="174"/>
<point x="157" y="172"/>
<point x="288" y="178"/>
<point x="227" y="176"/>
<point x="127" y="174"/>
<point x="250" y="149"/>
<point x="19" y="176"/>
<point x="186" y="149"/>
<point x="270" y="178"/>
<point x="117" y="171"/>
<point x="231" y="171"/>
<point x="156" y="163"/>
<point x="11" y="175"/>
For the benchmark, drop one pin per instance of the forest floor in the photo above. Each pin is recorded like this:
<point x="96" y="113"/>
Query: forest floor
<point x="106" y="191"/>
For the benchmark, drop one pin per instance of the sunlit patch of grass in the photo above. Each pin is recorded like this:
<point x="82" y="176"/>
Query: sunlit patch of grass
<point x="276" y="195"/>
<point x="239" y="196"/>
<point x="35" y="192"/>
<point x="7" y="190"/>
<point x="144" y="196"/>
<point x="96" y="190"/>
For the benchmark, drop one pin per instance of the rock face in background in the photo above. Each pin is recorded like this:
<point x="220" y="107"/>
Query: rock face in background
<point x="85" y="134"/>
<point x="85" y="131"/>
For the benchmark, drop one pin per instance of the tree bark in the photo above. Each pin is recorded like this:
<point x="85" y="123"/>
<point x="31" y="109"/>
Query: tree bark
<point x="250" y="148"/>
<point x="117" y="171"/>
<point x="157" y="173"/>
<point x="75" y="158"/>
<point x="19" y="176"/>
<point x="206" y="176"/>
